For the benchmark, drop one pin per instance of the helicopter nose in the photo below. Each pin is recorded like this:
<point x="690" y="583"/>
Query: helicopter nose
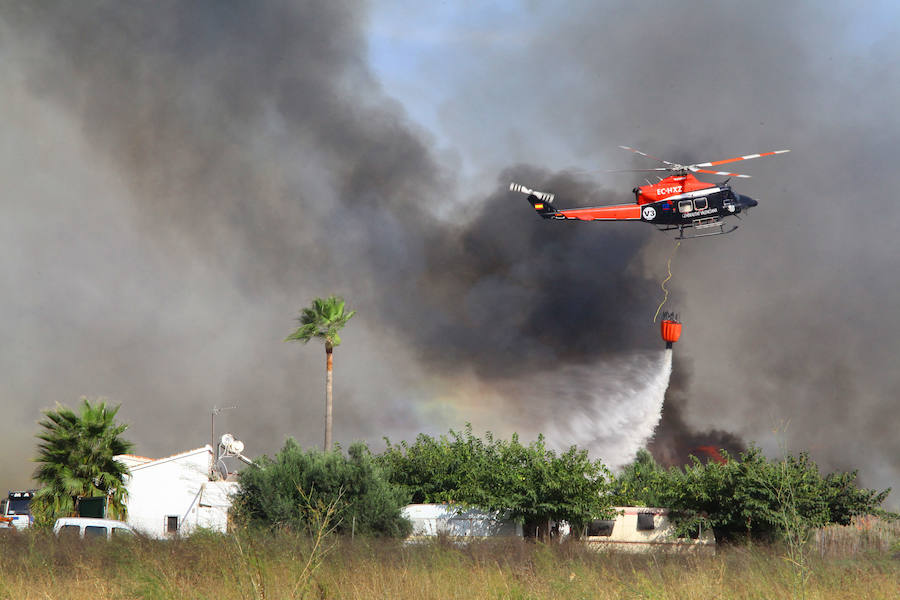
<point x="748" y="202"/>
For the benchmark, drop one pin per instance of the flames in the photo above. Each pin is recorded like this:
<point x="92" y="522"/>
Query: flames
<point x="711" y="452"/>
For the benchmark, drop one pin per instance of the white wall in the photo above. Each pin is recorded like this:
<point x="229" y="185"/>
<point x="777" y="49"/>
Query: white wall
<point x="177" y="486"/>
<point x="215" y="501"/>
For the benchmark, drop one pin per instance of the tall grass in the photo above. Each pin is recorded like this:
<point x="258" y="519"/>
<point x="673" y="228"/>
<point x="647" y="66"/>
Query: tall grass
<point x="273" y="566"/>
<point x="864" y="534"/>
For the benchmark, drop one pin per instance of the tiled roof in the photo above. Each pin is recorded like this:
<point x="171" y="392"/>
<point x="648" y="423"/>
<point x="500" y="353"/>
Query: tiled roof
<point x="134" y="461"/>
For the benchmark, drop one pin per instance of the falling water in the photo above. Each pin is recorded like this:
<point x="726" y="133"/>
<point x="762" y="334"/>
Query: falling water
<point x="610" y="409"/>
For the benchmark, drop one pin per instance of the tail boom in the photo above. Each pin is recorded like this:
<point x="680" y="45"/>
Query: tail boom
<point x="541" y="201"/>
<point x="617" y="212"/>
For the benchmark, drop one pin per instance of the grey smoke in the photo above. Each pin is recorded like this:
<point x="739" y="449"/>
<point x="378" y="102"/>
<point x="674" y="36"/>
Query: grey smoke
<point x="180" y="178"/>
<point x="209" y="172"/>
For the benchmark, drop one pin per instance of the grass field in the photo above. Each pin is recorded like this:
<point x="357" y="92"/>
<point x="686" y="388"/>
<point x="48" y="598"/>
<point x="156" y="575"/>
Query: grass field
<point x="281" y="566"/>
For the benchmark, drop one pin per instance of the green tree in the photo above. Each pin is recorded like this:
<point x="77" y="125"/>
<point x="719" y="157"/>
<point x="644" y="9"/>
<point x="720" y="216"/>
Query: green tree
<point x="323" y="320"/>
<point x="748" y="496"/>
<point x="287" y="491"/>
<point x="530" y="484"/>
<point x="641" y="483"/>
<point x="845" y="500"/>
<point x="75" y="459"/>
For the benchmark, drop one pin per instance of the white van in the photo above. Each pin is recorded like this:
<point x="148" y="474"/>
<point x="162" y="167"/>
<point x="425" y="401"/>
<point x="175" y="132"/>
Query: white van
<point x="88" y="528"/>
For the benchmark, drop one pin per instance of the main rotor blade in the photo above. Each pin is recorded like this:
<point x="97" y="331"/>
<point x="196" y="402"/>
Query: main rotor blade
<point x="584" y="171"/>
<point x="728" y="160"/>
<point x="636" y="151"/>
<point x="720" y="173"/>
<point x="638" y="170"/>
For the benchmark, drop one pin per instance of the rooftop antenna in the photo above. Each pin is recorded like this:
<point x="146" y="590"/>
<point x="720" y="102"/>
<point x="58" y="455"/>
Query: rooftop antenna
<point x="230" y="448"/>
<point x="212" y="432"/>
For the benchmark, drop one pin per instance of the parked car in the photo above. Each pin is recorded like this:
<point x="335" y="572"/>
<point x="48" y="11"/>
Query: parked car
<point x="89" y="528"/>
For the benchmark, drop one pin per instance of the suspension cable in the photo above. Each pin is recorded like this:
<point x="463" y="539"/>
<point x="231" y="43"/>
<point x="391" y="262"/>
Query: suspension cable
<point x="666" y="280"/>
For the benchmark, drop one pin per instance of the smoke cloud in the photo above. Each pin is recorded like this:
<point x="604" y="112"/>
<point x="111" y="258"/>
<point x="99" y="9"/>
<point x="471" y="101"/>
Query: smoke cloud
<point x="226" y="166"/>
<point x="181" y="178"/>
<point x="674" y="441"/>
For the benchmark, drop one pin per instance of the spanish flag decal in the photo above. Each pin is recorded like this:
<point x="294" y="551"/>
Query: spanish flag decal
<point x="538" y="206"/>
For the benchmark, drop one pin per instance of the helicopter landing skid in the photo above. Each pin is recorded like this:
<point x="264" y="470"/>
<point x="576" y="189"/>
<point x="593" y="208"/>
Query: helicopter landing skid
<point x="700" y="227"/>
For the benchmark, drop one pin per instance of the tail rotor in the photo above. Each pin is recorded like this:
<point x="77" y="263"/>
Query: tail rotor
<point x="540" y="201"/>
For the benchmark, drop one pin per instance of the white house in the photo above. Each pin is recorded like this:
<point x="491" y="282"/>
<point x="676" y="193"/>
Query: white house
<point x="174" y="495"/>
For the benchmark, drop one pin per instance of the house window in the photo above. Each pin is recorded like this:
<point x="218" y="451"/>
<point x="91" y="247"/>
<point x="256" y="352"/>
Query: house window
<point x="601" y="527"/>
<point x="171" y="525"/>
<point x="645" y="521"/>
<point x="701" y="203"/>
<point x="685" y="206"/>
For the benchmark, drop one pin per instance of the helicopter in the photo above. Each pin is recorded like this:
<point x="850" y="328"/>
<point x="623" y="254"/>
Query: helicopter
<point x="680" y="201"/>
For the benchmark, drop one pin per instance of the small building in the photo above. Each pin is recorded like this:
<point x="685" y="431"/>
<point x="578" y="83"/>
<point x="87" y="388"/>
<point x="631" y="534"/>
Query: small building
<point x="458" y="522"/>
<point x="175" y="495"/>
<point x="640" y="529"/>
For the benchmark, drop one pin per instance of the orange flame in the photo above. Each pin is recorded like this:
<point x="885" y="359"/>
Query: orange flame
<point x="713" y="453"/>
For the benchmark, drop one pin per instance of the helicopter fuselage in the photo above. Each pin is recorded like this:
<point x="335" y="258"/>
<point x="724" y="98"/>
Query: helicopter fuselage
<point x="677" y="202"/>
<point x="684" y="201"/>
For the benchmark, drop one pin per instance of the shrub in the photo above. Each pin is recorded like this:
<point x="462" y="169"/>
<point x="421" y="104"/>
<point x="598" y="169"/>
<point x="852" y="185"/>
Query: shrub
<point x="288" y="491"/>
<point x="748" y="496"/>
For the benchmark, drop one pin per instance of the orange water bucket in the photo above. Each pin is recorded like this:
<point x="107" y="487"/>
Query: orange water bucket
<point x="671" y="331"/>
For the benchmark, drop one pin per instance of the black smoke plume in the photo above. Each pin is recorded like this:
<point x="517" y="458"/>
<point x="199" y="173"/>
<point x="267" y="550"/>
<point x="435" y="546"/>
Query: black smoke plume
<point x="675" y="442"/>
<point x="179" y="178"/>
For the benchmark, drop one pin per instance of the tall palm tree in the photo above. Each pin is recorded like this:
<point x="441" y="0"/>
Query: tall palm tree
<point x="323" y="320"/>
<point x="75" y="460"/>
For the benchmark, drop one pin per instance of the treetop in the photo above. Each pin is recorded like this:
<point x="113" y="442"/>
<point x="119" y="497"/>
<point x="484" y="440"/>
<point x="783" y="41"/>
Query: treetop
<point x="323" y="319"/>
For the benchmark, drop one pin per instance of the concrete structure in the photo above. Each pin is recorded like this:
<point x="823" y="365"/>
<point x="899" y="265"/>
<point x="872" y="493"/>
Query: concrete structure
<point x="431" y="520"/>
<point x="174" y="495"/>
<point x="640" y="529"/>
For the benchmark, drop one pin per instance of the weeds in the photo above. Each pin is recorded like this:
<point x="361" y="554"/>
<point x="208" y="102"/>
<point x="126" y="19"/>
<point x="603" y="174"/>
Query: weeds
<point x="283" y="564"/>
<point x="322" y="522"/>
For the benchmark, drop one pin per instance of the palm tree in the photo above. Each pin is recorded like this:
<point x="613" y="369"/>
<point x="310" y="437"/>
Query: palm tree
<point x="76" y="460"/>
<point x="323" y="320"/>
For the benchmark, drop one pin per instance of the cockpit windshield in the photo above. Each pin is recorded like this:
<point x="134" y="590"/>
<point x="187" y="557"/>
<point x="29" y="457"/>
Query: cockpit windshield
<point x="18" y="506"/>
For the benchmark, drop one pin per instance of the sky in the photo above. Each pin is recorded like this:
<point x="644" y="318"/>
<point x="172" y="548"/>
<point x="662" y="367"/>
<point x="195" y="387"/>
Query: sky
<point x="180" y="179"/>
